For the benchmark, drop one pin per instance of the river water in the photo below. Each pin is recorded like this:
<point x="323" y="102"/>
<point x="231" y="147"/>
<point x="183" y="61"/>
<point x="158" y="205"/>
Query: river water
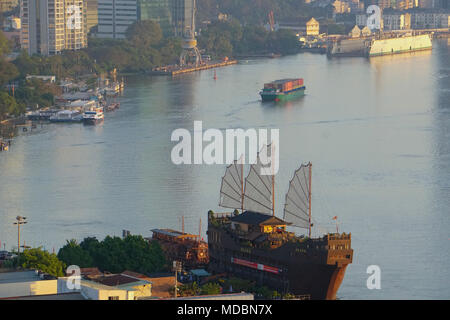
<point x="377" y="132"/>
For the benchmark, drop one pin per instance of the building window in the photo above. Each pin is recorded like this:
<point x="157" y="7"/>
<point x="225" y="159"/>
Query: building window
<point x="113" y="298"/>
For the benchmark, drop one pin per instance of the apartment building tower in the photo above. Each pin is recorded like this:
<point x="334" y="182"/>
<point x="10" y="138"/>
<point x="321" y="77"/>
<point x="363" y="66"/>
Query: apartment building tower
<point x="51" y="26"/>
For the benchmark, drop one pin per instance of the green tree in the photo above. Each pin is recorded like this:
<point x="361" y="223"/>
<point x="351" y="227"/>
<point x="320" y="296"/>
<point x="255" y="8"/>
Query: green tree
<point x="8" y="105"/>
<point x="133" y="253"/>
<point x="189" y="289"/>
<point x="8" y="72"/>
<point x="210" y="289"/>
<point x="41" y="260"/>
<point x="170" y="51"/>
<point x="5" y="47"/>
<point x="286" y="42"/>
<point x="144" y="34"/>
<point x="26" y="64"/>
<point x="334" y="28"/>
<point x="73" y="254"/>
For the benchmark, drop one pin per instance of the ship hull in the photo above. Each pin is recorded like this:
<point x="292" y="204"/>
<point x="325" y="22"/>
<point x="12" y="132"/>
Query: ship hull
<point x="283" y="96"/>
<point x="400" y="45"/>
<point x="92" y="121"/>
<point x="300" y="269"/>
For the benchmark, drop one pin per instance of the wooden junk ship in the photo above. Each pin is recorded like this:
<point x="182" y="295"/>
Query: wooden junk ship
<point x="255" y="244"/>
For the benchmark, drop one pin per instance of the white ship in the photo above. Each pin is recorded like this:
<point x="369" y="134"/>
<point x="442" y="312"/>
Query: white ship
<point x="381" y="47"/>
<point x="93" y="115"/>
<point x="376" y="46"/>
<point x="67" y="116"/>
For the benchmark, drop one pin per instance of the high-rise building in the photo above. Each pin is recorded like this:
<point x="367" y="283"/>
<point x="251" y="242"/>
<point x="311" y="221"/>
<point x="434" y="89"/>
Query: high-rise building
<point x="91" y="14"/>
<point x="50" y="26"/>
<point x="426" y="4"/>
<point x="115" y="16"/>
<point x="182" y="17"/>
<point x="383" y="4"/>
<point x="158" y="11"/>
<point x="75" y="24"/>
<point x="8" y="5"/>
<point x="441" y="4"/>
<point x="42" y="26"/>
<point x="405" y="4"/>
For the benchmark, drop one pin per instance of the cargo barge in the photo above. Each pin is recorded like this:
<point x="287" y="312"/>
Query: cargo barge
<point x="254" y="244"/>
<point x="283" y="90"/>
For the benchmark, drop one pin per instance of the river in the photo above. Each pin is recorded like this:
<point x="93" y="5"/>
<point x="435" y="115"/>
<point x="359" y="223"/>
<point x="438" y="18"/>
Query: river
<point x="377" y="132"/>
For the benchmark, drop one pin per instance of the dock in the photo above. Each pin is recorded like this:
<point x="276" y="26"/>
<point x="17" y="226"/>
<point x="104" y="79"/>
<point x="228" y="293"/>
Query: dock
<point x="172" y="71"/>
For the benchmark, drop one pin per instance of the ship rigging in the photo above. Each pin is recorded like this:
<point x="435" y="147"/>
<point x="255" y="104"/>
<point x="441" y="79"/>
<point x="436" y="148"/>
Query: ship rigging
<point x="257" y="192"/>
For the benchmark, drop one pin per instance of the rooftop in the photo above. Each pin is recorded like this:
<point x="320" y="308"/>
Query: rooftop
<point x="59" y="296"/>
<point x="283" y="80"/>
<point x="200" y="273"/>
<point x="19" y="276"/>
<point x="255" y="218"/>
<point x="120" y="280"/>
<point x="174" y="233"/>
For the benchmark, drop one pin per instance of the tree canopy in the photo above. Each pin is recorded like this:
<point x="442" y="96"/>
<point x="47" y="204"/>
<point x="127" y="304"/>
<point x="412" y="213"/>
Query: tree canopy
<point x="41" y="260"/>
<point x="4" y="44"/>
<point x="115" y="254"/>
<point x="256" y="11"/>
<point x="144" y="34"/>
<point x="227" y="38"/>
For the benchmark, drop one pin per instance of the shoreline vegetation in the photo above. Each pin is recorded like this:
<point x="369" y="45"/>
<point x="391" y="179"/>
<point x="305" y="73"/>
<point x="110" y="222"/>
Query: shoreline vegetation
<point x="115" y="255"/>
<point x="143" y="49"/>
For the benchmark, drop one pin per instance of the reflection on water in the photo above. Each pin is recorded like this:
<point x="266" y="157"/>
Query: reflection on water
<point x="376" y="131"/>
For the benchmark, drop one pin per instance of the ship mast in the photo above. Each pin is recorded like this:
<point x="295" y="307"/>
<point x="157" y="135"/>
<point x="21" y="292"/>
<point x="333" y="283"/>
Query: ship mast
<point x="242" y="183"/>
<point x="273" y="180"/>
<point x="310" y="180"/>
<point x="199" y="229"/>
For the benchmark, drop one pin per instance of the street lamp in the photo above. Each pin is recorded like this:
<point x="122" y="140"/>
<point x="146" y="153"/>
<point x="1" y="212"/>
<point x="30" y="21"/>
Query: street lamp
<point x="177" y="267"/>
<point x="20" y="221"/>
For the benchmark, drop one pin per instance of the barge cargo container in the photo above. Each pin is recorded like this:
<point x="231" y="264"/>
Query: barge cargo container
<point x="283" y="90"/>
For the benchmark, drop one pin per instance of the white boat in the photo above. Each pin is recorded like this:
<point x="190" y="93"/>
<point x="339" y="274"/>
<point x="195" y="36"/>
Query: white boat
<point x="67" y="116"/>
<point x="93" y="115"/>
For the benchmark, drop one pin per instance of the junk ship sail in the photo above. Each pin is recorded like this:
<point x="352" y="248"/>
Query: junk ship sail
<point x="255" y="244"/>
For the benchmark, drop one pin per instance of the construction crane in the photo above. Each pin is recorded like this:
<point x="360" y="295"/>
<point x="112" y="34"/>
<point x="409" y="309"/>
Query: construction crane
<point x="189" y="44"/>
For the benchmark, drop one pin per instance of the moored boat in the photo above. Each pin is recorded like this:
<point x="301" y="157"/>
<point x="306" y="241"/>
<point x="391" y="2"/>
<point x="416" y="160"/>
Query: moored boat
<point x="190" y="249"/>
<point x="283" y="90"/>
<point x="254" y="244"/>
<point x="93" y="115"/>
<point x="67" y="116"/>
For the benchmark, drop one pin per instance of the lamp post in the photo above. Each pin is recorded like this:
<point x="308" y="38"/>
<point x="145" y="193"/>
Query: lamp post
<point x="20" y="221"/>
<point x="176" y="268"/>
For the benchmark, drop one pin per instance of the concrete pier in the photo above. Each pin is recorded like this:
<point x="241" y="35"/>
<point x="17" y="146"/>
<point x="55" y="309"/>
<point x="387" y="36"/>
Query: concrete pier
<point x="168" y="71"/>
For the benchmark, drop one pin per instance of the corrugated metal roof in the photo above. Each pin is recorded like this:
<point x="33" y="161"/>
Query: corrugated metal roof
<point x="200" y="273"/>
<point x="168" y="232"/>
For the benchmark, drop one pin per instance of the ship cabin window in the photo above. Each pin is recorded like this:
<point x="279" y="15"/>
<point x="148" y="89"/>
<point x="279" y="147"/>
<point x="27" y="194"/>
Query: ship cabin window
<point x="274" y="229"/>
